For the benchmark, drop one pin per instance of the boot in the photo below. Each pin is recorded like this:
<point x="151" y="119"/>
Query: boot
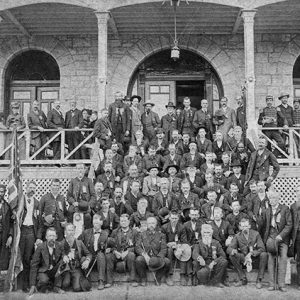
<point x="190" y="280"/>
<point x="182" y="280"/>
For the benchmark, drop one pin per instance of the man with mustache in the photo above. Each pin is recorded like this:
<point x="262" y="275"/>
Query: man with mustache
<point x="150" y="121"/>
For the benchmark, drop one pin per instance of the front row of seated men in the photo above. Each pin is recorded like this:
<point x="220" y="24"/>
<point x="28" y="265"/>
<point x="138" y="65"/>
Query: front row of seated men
<point x="212" y="244"/>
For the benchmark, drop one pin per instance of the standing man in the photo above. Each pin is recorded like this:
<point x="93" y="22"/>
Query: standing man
<point x="241" y="114"/>
<point x="136" y="115"/>
<point x="229" y="118"/>
<point x="119" y="116"/>
<point x="169" y="121"/>
<point x="150" y="121"/>
<point x="186" y="117"/>
<point x="55" y="120"/>
<point x="37" y="121"/>
<point x="203" y="118"/>
<point x="73" y="120"/>
<point x="278" y="225"/>
<point x="286" y="110"/>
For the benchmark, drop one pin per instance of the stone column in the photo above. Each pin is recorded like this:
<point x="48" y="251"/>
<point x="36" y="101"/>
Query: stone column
<point x="248" y="17"/>
<point x="102" y="18"/>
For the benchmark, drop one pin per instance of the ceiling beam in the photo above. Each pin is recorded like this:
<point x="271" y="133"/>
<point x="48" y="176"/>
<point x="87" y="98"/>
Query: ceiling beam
<point x="237" y="22"/>
<point x="113" y="26"/>
<point x="16" y="22"/>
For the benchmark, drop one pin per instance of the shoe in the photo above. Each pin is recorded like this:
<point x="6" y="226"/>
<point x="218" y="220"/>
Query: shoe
<point x="134" y="284"/>
<point x="271" y="288"/>
<point x="243" y="281"/>
<point x="226" y="283"/>
<point x="143" y="283"/>
<point x="169" y="281"/>
<point x="58" y="290"/>
<point x="108" y="285"/>
<point x="182" y="280"/>
<point x="101" y="285"/>
<point x="189" y="282"/>
<point x="219" y="285"/>
<point x="258" y="285"/>
<point x="282" y="289"/>
<point x="195" y="280"/>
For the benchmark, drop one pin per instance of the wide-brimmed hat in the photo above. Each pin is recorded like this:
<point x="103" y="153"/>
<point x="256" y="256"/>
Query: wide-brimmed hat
<point x="153" y="167"/>
<point x="83" y="206"/>
<point x="149" y="103"/>
<point x="236" y="163"/>
<point x="136" y="97"/>
<point x="164" y="211"/>
<point x="126" y="98"/>
<point x="283" y="94"/>
<point x="156" y="263"/>
<point x="159" y="130"/>
<point x="269" y="97"/>
<point x="183" y="252"/>
<point x="170" y="104"/>
<point x="219" y="113"/>
<point x="172" y="166"/>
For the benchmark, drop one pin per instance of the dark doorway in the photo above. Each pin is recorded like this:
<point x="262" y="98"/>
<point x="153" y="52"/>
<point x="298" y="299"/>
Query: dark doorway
<point x="195" y="90"/>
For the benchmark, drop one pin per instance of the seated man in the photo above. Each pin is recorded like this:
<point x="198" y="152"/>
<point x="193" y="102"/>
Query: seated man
<point x="123" y="252"/>
<point x="132" y="159"/>
<point x="133" y="195"/>
<point x="118" y="205"/>
<point x="80" y="194"/>
<point x="141" y="215"/>
<point x="232" y="196"/>
<point x="172" y="159"/>
<point x="247" y="246"/>
<point x="174" y="181"/>
<point x="207" y="209"/>
<point x="193" y="227"/>
<point x="175" y="236"/>
<point x="236" y="216"/>
<point x="151" y="250"/>
<point x="107" y="178"/>
<point x="99" y="245"/>
<point x="133" y="175"/>
<point x="151" y="159"/>
<point x="209" y="259"/>
<point x="45" y="263"/>
<point x="110" y="219"/>
<point x="237" y="177"/>
<point x="76" y="259"/>
<point x="151" y="182"/>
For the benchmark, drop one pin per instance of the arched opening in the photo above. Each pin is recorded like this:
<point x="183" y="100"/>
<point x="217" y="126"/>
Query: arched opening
<point x="31" y="75"/>
<point x="160" y="79"/>
<point x="296" y="78"/>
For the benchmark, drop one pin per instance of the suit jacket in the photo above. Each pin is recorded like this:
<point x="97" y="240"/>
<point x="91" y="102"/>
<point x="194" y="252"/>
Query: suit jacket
<point x="284" y="223"/>
<point x="108" y="183"/>
<point x="111" y="222"/>
<point x="190" y="233"/>
<point x="241" y="118"/>
<point x="128" y="161"/>
<point x="191" y="201"/>
<point x="154" y="244"/>
<point x="164" y="146"/>
<point x="257" y="208"/>
<point x="233" y="143"/>
<point x="132" y="200"/>
<point x="40" y="262"/>
<point x="204" y="147"/>
<point x="235" y="220"/>
<point x="102" y="129"/>
<point x="229" y="120"/>
<point x="170" y="235"/>
<point x="268" y="158"/>
<point x="196" y="184"/>
<point x="123" y="242"/>
<point x="154" y="121"/>
<point x="117" y="166"/>
<point x="36" y="120"/>
<point x="288" y="113"/>
<point x="219" y="150"/>
<point x="203" y="119"/>
<point x="240" y="243"/>
<point x="187" y="160"/>
<point x="240" y="182"/>
<point x="121" y="208"/>
<point x="158" y="202"/>
<point x="54" y="121"/>
<point x="35" y="216"/>
<point x="174" y="184"/>
<point x="181" y="120"/>
<point x="73" y="121"/>
<point x="295" y="212"/>
<point x="136" y="218"/>
<point x="168" y="161"/>
<point x="206" y="211"/>
<point x="169" y="123"/>
<point x="148" y="161"/>
<point x="124" y="111"/>
<point x="223" y="232"/>
<point x="150" y="189"/>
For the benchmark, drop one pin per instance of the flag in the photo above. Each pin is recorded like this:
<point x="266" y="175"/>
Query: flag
<point x="16" y="202"/>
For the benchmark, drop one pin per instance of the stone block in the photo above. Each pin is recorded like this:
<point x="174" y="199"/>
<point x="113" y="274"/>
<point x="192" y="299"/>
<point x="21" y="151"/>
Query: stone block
<point x="276" y="80"/>
<point x="264" y="47"/>
<point x="212" y="51"/>
<point x="145" y="46"/>
<point x="293" y="48"/>
<point x="269" y="68"/>
<point x="274" y="57"/>
<point x="288" y="58"/>
<point x="65" y="60"/>
<point x="220" y="59"/>
<point x="154" y="43"/>
<point x="261" y="89"/>
<point x="273" y="90"/>
<point x="203" y="45"/>
<point x="136" y="54"/>
<point x="285" y="68"/>
<point x="263" y="79"/>
<point x="260" y="57"/>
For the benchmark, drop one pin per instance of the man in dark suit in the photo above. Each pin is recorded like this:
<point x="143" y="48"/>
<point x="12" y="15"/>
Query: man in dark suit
<point x="37" y="121"/>
<point x="186" y="117"/>
<point x="119" y="116"/>
<point x="118" y="204"/>
<point x="193" y="157"/>
<point x="103" y="130"/>
<point x="278" y="226"/>
<point x="241" y="114"/>
<point x="260" y="162"/>
<point x="73" y="120"/>
<point x="203" y="118"/>
<point x="99" y="244"/>
<point x="150" y="121"/>
<point x="172" y="158"/>
<point x="139" y="217"/>
<point x="45" y="265"/>
<point x="55" y="120"/>
<point x="110" y="219"/>
<point x="204" y="145"/>
<point x="133" y="195"/>
<point x="169" y="121"/>
<point x="247" y="246"/>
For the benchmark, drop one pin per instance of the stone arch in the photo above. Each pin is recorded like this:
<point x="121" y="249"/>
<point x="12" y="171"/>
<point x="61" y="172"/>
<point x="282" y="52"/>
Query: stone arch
<point x="11" y="47"/>
<point x="200" y="45"/>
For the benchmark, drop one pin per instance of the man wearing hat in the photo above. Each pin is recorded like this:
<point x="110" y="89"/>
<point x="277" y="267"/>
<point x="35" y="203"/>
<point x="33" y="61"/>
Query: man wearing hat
<point x="269" y="117"/>
<point x="169" y="121"/>
<point x="193" y="157"/>
<point x="174" y="181"/>
<point x="135" y="115"/>
<point x="6" y="229"/>
<point x="119" y="117"/>
<point x="15" y="120"/>
<point x="151" y="182"/>
<point x="151" y="250"/>
<point x="152" y="158"/>
<point x="210" y="261"/>
<point x="186" y="117"/>
<point x="150" y="121"/>
<point x="160" y="142"/>
<point x="203" y="119"/>
<point x="237" y="177"/>
<point x="172" y="158"/>
<point x="286" y="110"/>
<point x="81" y="193"/>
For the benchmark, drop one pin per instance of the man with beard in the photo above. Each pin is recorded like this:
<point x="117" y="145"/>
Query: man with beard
<point x="99" y="244"/>
<point x="46" y="261"/>
<point x="176" y="140"/>
<point x="150" y="121"/>
<point x="196" y="181"/>
<point x="175" y="236"/>
<point x="219" y="176"/>
<point x="186" y="117"/>
<point x="37" y="121"/>
<point x="160" y="142"/>
<point x="151" y="159"/>
<point x="133" y="175"/>
<point x="30" y="232"/>
<point x="119" y="117"/>
<point x="141" y="215"/>
<point x="80" y="194"/>
<point x="169" y="121"/>
<point x="110" y="219"/>
<point x="107" y="178"/>
<point x="207" y="209"/>
<point x="245" y="248"/>
<point x="151" y="182"/>
<point x="193" y="157"/>
<point x="151" y="250"/>
<point x="235" y="217"/>
<point x="132" y="159"/>
<point x="6" y="229"/>
<point x="260" y="162"/>
<point x="232" y="196"/>
<point x="209" y="259"/>
<point x="77" y="259"/>
<point x="132" y="196"/>
<point x="278" y="225"/>
<point x="193" y="227"/>
<point x="172" y="158"/>
<point x="118" y="204"/>
<point x="211" y="185"/>
<point x="123" y="252"/>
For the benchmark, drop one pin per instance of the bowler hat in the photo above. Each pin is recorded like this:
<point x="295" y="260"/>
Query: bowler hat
<point x="219" y="113"/>
<point x="164" y="211"/>
<point x="183" y="252"/>
<point x="15" y="105"/>
<point x="148" y="103"/>
<point x="136" y="97"/>
<point x="121" y="266"/>
<point x="170" y="104"/>
<point x="83" y="205"/>
<point x="283" y="94"/>
<point x="172" y="166"/>
<point x="269" y="97"/>
<point x="235" y="163"/>
<point x="156" y="263"/>
<point x="159" y="130"/>
<point x="153" y="167"/>
<point x="126" y="98"/>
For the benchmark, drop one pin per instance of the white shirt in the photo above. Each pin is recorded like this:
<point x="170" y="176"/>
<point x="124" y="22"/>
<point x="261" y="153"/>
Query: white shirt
<point x="96" y="238"/>
<point x="51" y="249"/>
<point x="28" y="218"/>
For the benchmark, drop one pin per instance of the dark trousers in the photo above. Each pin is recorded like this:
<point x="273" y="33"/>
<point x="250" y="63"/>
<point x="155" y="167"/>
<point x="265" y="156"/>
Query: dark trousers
<point x="73" y="140"/>
<point x="205" y="275"/>
<point x="141" y="268"/>
<point x="175" y="262"/>
<point x="100" y="265"/>
<point x="276" y="136"/>
<point x="297" y="251"/>
<point x="130" y="264"/>
<point x="37" y="143"/>
<point x="238" y="259"/>
<point x="109" y="268"/>
<point x="56" y="150"/>
<point x="47" y="280"/>
<point x="72" y="278"/>
<point x="27" y="241"/>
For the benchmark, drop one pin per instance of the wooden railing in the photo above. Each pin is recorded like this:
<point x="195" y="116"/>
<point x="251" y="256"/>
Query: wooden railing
<point x="31" y="158"/>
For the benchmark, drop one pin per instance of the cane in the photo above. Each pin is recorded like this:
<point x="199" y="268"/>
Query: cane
<point x="92" y="266"/>
<point x="276" y="267"/>
<point x="153" y="273"/>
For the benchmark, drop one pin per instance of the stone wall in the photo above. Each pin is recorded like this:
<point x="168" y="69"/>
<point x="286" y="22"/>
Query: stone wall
<point x="77" y="59"/>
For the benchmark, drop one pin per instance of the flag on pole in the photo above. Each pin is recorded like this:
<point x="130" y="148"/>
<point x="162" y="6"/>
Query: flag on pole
<point x="16" y="202"/>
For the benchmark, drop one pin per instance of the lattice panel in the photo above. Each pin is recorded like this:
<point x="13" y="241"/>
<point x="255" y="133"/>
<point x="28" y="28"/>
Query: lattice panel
<point x="287" y="187"/>
<point x="43" y="186"/>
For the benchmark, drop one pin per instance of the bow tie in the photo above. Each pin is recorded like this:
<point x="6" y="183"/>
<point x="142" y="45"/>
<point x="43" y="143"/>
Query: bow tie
<point x="97" y="232"/>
